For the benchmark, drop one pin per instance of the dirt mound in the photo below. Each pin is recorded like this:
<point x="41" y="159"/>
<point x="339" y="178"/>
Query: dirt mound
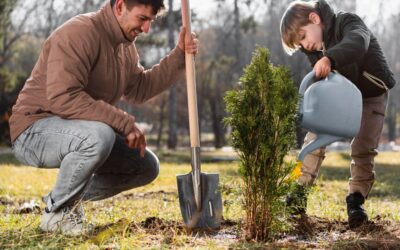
<point x="161" y="194"/>
<point x="376" y="234"/>
<point x="19" y="206"/>
<point x="310" y="226"/>
<point x="155" y="224"/>
<point x="6" y="201"/>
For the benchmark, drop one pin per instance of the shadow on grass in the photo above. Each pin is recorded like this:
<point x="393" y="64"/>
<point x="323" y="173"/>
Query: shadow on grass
<point x="34" y="238"/>
<point x="158" y="231"/>
<point x="386" y="182"/>
<point x="9" y="159"/>
<point x="345" y="156"/>
<point x="169" y="156"/>
<point x="164" y="156"/>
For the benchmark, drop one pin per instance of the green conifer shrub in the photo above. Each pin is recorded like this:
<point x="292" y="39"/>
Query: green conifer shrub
<point x="262" y="114"/>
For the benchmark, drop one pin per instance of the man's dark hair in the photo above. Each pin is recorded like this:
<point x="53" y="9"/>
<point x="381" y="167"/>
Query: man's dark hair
<point x="157" y="5"/>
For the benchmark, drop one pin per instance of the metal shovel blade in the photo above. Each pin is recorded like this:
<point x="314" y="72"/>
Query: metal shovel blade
<point x="209" y="216"/>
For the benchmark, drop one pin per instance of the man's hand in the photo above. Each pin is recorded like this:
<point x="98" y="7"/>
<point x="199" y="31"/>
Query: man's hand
<point x="136" y="139"/>
<point x="323" y="67"/>
<point x="188" y="46"/>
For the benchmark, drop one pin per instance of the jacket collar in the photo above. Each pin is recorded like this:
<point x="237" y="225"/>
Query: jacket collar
<point x="328" y="19"/>
<point x="111" y="26"/>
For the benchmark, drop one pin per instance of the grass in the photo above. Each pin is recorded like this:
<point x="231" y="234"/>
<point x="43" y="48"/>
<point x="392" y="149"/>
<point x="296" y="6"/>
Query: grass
<point x="149" y="217"/>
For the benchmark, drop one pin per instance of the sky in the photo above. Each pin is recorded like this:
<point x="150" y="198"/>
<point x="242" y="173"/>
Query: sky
<point x="367" y="9"/>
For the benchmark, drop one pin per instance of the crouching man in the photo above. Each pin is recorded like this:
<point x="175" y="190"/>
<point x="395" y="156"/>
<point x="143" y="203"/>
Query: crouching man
<point x="65" y="115"/>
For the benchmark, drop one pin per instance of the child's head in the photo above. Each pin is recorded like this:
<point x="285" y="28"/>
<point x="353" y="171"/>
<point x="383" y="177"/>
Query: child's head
<point x="301" y="26"/>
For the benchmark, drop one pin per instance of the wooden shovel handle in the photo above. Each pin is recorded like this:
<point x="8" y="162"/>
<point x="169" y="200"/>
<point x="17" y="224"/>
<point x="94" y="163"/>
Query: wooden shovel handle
<point x="190" y="79"/>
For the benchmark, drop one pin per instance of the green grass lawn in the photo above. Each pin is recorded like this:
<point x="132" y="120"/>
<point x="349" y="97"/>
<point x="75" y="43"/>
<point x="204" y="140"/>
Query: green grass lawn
<point x="149" y="217"/>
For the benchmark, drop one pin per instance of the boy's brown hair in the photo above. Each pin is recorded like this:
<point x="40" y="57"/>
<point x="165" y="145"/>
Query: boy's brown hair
<point x="295" y="17"/>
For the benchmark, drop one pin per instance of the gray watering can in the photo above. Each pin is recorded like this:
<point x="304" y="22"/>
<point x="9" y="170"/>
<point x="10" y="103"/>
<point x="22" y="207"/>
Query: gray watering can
<point x="331" y="108"/>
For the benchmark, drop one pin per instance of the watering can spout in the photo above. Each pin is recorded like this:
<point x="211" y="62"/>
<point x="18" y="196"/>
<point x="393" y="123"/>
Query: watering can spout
<point x="321" y="141"/>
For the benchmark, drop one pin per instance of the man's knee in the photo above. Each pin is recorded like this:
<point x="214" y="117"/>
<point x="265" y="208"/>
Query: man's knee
<point x="101" y="138"/>
<point x="153" y="166"/>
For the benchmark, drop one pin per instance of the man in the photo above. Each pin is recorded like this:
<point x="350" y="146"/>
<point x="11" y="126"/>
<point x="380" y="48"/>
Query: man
<point x="65" y="115"/>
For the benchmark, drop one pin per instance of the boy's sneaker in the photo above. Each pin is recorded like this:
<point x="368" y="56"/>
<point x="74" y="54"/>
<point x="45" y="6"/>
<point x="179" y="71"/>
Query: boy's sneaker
<point x="69" y="220"/>
<point x="296" y="201"/>
<point x="355" y="211"/>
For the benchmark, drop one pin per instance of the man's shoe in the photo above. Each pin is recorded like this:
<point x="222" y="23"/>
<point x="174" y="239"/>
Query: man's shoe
<point x="69" y="220"/>
<point x="355" y="211"/>
<point x="296" y="201"/>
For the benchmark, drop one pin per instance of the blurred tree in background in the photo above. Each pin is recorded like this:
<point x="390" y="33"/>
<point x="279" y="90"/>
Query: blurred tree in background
<point x="9" y="35"/>
<point x="228" y="35"/>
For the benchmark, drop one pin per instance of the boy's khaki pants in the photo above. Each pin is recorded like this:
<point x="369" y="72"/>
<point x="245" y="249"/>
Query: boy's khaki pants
<point x="363" y="149"/>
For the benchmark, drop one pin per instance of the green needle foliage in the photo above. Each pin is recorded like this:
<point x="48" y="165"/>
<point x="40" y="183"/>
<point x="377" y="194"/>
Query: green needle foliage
<point x="262" y="114"/>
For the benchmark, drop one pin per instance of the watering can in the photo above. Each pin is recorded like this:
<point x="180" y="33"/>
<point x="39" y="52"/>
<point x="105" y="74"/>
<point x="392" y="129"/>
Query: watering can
<point x="331" y="108"/>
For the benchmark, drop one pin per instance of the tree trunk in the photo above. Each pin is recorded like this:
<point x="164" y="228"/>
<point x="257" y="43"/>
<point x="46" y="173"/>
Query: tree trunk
<point x="217" y="125"/>
<point x="237" y="36"/>
<point x="391" y="121"/>
<point x="217" y="113"/>
<point x="161" y="123"/>
<point x="172" y="120"/>
<point x="172" y="134"/>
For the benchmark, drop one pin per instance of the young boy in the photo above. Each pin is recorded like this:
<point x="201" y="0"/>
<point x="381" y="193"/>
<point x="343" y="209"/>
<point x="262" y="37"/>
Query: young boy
<point x="342" y="42"/>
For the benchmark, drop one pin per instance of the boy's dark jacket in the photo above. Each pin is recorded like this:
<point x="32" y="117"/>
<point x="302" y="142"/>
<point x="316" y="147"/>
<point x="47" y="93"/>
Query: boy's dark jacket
<point x="353" y="49"/>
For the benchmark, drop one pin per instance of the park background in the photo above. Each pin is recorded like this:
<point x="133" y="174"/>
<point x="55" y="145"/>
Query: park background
<point x="149" y="217"/>
<point x="228" y="31"/>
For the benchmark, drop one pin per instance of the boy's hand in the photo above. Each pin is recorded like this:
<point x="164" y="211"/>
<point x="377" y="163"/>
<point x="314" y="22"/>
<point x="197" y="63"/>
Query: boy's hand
<point x="188" y="46"/>
<point x="323" y="67"/>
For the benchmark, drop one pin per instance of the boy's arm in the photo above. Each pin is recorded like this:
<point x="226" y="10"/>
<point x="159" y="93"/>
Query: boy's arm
<point x="355" y="41"/>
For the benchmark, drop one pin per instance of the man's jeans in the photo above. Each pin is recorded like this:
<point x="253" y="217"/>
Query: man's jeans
<point x="363" y="149"/>
<point x="94" y="161"/>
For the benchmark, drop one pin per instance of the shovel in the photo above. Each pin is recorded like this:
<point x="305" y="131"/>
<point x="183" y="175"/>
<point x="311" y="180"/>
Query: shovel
<point x="199" y="195"/>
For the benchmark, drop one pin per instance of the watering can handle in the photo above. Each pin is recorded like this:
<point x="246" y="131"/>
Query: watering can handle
<point x="309" y="79"/>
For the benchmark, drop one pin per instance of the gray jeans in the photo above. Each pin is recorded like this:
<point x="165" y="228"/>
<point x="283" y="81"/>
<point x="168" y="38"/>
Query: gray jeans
<point x="94" y="161"/>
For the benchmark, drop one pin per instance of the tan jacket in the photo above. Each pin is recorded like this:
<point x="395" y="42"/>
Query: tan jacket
<point x="84" y="68"/>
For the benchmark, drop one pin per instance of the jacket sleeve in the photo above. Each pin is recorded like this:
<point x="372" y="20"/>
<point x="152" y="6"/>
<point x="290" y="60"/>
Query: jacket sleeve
<point x="355" y="42"/>
<point x="145" y="84"/>
<point x="68" y="68"/>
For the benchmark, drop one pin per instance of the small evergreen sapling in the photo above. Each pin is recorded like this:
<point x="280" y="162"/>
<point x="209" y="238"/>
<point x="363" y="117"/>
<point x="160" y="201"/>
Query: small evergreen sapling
<point x="262" y="115"/>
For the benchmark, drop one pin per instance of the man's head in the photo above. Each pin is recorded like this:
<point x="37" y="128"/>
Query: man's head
<point x="301" y="26"/>
<point x="136" y="16"/>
